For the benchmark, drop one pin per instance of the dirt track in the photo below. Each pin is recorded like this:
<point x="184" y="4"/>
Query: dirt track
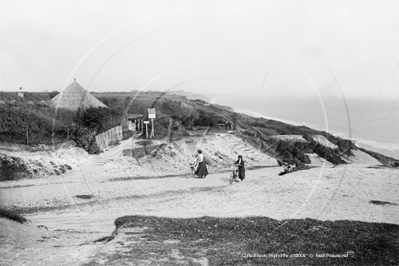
<point x="339" y="193"/>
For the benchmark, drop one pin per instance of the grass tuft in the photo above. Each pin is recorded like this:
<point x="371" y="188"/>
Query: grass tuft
<point x="12" y="215"/>
<point x="379" y="202"/>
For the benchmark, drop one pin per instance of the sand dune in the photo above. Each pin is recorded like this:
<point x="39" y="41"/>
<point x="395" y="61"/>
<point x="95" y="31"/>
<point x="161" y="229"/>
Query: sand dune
<point x="158" y="184"/>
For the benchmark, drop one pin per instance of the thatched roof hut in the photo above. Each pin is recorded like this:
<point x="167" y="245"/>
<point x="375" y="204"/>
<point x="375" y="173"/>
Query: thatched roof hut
<point x="75" y="97"/>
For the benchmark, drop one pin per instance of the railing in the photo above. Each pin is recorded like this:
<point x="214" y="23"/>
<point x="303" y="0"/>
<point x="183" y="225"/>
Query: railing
<point x="114" y="135"/>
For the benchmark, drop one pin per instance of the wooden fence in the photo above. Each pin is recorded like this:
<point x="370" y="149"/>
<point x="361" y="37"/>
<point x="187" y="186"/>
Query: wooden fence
<point x="113" y="135"/>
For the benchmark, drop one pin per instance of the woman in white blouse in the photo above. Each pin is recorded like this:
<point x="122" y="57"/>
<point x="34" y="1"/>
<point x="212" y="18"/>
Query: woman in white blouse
<point x="202" y="170"/>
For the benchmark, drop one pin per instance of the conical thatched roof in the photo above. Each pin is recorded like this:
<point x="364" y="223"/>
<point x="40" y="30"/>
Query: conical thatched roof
<point x="75" y="97"/>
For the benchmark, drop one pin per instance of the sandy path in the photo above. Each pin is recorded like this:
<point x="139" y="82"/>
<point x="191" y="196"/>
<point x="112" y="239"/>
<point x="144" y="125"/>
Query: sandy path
<point x="333" y="194"/>
<point x="340" y="193"/>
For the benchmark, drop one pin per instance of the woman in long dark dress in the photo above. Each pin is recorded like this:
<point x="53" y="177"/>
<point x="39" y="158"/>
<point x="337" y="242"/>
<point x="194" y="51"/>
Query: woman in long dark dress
<point x="241" y="167"/>
<point x="201" y="171"/>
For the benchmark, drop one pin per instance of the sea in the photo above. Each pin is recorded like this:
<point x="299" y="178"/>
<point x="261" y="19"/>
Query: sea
<point x="372" y="123"/>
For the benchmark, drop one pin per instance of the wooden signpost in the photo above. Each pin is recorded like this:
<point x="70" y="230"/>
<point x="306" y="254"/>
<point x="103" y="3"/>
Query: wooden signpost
<point x="146" y="128"/>
<point x="151" y="115"/>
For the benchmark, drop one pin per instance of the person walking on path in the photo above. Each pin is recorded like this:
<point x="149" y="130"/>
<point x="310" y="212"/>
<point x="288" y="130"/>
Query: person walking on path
<point x="202" y="170"/>
<point x="241" y="167"/>
<point x="229" y="124"/>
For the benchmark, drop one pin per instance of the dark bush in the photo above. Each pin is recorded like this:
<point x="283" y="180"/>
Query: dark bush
<point x="12" y="215"/>
<point x="12" y="168"/>
<point x="53" y="94"/>
<point x="24" y="127"/>
<point x="308" y="138"/>
<point x="100" y="119"/>
<point x="207" y="119"/>
<point x="345" y="146"/>
<point x="62" y="169"/>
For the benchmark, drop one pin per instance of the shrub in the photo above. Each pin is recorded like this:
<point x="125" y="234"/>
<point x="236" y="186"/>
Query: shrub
<point x="12" y="168"/>
<point x="100" y="119"/>
<point x="12" y="215"/>
<point x="24" y="127"/>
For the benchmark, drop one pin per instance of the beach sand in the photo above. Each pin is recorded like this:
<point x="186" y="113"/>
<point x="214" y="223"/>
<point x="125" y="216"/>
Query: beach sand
<point x="155" y="186"/>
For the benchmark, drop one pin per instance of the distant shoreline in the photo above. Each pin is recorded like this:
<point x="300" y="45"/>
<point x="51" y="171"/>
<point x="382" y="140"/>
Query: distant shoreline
<point x="257" y="115"/>
<point x="361" y="143"/>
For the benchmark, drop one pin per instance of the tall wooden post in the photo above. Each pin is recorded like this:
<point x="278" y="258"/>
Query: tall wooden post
<point x="146" y="128"/>
<point x="170" y="129"/>
<point x="152" y="128"/>
<point x="151" y="115"/>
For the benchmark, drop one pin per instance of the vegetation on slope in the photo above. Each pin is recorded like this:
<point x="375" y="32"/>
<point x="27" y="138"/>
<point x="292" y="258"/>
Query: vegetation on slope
<point x="251" y="241"/>
<point x="50" y="127"/>
<point x="15" y="168"/>
<point x="175" y="114"/>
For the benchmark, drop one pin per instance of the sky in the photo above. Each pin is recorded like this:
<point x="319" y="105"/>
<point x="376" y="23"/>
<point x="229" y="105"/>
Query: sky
<point x="345" y="48"/>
